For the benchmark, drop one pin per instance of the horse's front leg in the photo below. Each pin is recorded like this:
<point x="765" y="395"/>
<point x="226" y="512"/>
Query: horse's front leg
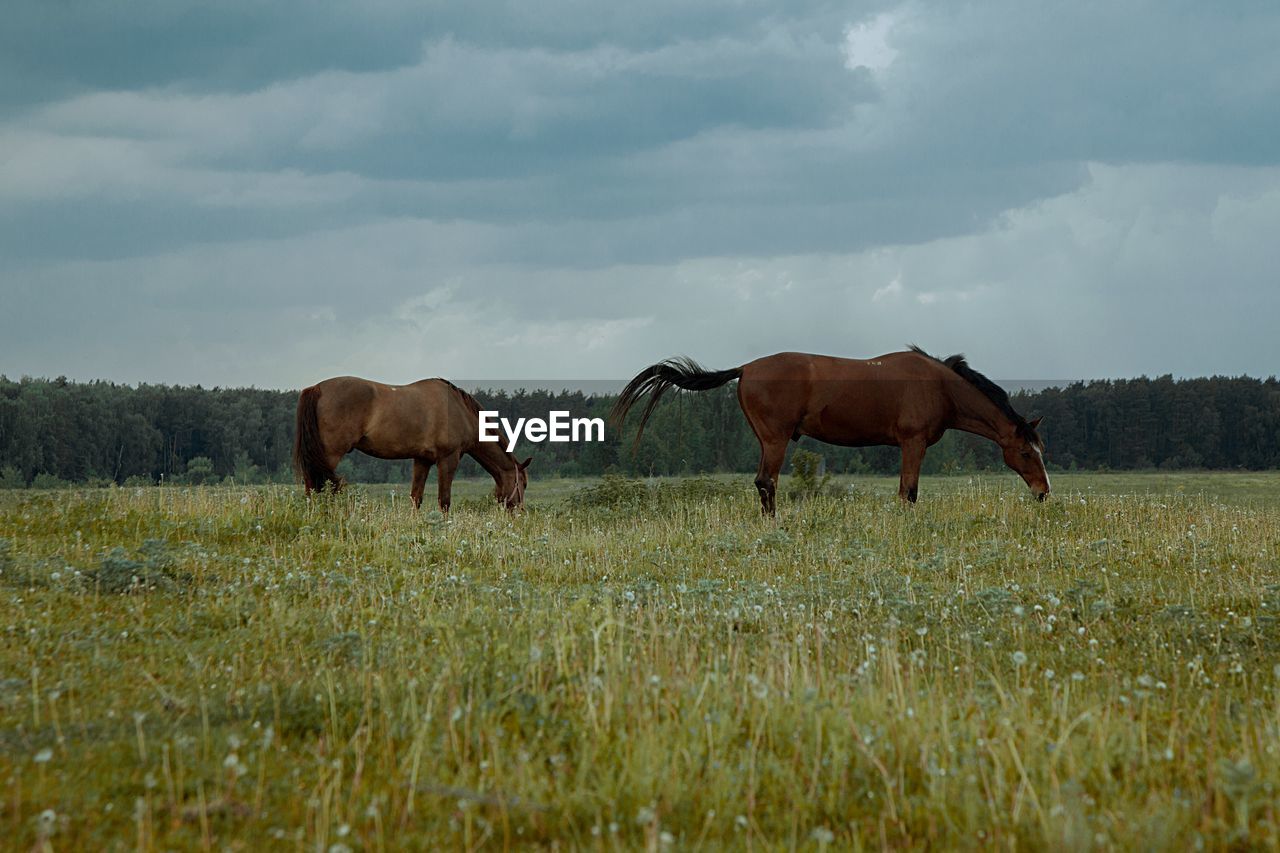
<point x="446" y="466"/>
<point x="421" y="468"/>
<point x="912" y="458"/>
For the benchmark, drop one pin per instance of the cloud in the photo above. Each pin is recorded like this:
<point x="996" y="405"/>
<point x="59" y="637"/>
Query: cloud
<point x="250" y="193"/>
<point x="891" y="290"/>
<point x="867" y="45"/>
<point x="1139" y="271"/>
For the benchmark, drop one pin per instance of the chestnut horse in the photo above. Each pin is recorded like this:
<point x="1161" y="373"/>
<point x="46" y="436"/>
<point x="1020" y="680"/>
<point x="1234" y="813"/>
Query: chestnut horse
<point x="432" y="422"/>
<point x="902" y="399"/>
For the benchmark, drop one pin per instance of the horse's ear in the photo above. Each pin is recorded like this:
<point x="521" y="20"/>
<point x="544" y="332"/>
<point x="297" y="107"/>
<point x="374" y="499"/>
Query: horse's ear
<point x="1034" y="423"/>
<point x="525" y="463"/>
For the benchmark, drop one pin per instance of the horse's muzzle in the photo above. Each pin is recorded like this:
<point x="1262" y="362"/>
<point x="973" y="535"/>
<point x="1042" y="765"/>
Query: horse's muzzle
<point x="1042" y="496"/>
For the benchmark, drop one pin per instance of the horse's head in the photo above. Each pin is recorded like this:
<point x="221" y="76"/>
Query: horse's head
<point x="510" y="487"/>
<point x="1024" y="453"/>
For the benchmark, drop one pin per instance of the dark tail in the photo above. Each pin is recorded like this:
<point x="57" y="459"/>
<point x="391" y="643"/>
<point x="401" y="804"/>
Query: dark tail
<point x="308" y="448"/>
<point x="657" y="378"/>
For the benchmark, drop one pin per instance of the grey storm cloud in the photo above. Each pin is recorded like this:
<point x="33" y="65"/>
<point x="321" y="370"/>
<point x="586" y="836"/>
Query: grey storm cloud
<point x="233" y="184"/>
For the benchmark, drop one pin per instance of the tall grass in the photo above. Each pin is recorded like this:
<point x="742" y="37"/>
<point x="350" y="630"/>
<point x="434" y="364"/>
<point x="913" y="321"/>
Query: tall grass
<point x="198" y="668"/>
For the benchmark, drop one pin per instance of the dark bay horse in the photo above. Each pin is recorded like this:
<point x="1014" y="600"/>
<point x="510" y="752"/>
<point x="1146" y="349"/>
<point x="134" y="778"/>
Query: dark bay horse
<point x="902" y="399"/>
<point x="432" y="422"/>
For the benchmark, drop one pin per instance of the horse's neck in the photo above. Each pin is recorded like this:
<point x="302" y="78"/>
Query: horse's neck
<point x="493" y="459"/>
<point x="976" y="413"/>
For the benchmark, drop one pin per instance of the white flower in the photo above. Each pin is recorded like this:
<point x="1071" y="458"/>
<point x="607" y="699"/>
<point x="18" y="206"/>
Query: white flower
<point x="1019" y="658"/>
<point x="43" y="756"/>
<point x="822" y="835"/>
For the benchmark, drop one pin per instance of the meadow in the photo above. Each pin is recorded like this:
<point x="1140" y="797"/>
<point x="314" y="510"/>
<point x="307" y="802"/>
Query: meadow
<point x="630" y="665"/>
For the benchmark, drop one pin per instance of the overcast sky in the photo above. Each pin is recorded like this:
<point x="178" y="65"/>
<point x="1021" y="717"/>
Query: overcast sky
<point x="249" y="193"/>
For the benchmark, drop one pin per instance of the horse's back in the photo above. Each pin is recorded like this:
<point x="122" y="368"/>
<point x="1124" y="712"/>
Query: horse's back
<point x="349" y="389"/>
<point x="842" y="400"/>
<point x="805" y="366"/>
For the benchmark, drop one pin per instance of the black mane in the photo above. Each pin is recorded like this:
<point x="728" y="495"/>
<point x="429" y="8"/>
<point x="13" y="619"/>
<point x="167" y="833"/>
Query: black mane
<point x="466" y="398"/>
<point x="991" y="390"/>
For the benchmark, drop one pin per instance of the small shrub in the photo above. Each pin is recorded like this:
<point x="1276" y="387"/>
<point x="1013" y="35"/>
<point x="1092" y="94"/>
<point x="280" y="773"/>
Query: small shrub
<point x="697" y="489"/>
<point x="118" y="573"/>
<point x="49" y="481"/>
<point x="806" y="482"/>
<point x="199" y="471"/>
<point x="612" y="492"/>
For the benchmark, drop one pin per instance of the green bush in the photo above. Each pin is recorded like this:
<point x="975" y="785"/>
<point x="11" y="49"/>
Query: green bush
<point x="199" y="472"/>
<point x="806" y="482"/>
<point x="697" y="489"/>
<point x="612" y="492"/>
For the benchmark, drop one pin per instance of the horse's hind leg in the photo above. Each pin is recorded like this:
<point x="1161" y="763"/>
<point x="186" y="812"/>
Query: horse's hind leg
<point x="421" y="468"/>
<point x="332" y="475"/>
<point x="445" y="468"/>
<point x="772" y="454"/>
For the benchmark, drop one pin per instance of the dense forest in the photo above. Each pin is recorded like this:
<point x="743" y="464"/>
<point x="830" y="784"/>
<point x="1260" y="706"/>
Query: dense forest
<point x="55" y="432"/>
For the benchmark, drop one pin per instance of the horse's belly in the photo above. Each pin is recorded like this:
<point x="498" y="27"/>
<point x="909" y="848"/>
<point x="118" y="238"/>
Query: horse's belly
<point x="849" y="437"/>
<point x="850" y="426"/>
<point x="385" y="450"/>
<point x="394" y="441"/>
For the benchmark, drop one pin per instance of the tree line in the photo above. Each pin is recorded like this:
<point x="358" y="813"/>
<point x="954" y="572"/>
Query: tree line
<point x="56" y="432"/>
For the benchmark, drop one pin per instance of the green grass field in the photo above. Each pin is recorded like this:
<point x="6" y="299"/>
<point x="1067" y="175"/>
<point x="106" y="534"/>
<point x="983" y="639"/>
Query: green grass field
<point x="657" y="667"/>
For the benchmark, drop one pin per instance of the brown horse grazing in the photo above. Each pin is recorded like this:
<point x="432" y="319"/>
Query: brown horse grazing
<point x="432" y="422"/>
<point x="903" y="399"/>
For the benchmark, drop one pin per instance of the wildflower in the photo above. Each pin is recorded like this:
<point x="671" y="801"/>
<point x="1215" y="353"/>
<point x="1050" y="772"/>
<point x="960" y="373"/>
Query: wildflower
<point x="43" y="756"/>
<point x="1019" y="658"/>
<point x="822" y="835"/>
<point x="1048" y="675"/>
